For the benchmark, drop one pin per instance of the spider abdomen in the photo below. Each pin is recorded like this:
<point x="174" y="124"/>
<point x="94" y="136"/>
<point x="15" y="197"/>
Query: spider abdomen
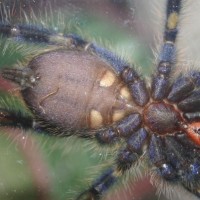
<point x="76" y="90"/>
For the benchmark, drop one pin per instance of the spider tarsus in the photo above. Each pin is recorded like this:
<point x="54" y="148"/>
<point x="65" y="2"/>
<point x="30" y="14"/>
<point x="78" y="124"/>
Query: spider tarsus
<point x="27" y="33"/>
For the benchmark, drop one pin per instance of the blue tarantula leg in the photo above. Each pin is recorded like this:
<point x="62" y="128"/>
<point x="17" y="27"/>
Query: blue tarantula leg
<point x="182" y="158"/>
<point x="125" y="159"/>
<point x="193" y="174"/>
<point x="132" y="151"/>
<point x="27" y="33"/>
<point x="24" y="77"/>
<point x="160" y="82"/>
<point x="35" y="34"/>
<point x="185" y="159"/>
<point x="158" y="158"/>
<point x="122" y="129"/>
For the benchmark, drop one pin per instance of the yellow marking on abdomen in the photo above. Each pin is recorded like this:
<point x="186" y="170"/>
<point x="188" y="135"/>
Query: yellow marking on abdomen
<point x="96" y="119"/>
<point x="108" y="79"/>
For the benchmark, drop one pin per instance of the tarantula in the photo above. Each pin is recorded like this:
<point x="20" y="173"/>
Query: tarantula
<point x="83" y="89"/>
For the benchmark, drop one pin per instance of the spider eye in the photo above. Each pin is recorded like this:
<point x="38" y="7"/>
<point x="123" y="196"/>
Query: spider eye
<point x="193" y="131"/>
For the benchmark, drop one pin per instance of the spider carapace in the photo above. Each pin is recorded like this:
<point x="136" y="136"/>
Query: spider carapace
<point x="83" y="89"/>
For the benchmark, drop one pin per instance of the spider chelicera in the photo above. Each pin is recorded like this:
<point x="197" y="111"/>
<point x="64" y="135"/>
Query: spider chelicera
<point x="83" y="89"/>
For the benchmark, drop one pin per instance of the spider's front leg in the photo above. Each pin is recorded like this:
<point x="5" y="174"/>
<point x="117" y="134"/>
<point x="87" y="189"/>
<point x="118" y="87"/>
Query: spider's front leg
<point x="41" y="35"/>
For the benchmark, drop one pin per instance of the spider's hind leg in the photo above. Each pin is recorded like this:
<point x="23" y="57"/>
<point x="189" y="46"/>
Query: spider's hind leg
<point x="126" y="158"/>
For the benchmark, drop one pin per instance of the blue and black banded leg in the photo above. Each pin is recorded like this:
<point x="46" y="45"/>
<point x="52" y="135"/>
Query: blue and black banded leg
<point x="126" y="158"/>
<point x="36" y="34"/>
<point x="161" y="83"/>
